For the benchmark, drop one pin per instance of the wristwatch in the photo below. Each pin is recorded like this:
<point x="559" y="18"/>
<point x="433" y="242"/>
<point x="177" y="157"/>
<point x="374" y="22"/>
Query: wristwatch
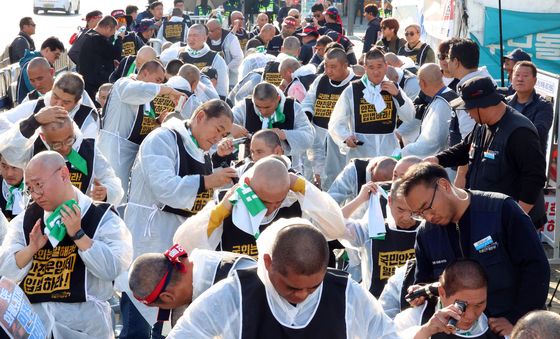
<point x="78" y="235"/>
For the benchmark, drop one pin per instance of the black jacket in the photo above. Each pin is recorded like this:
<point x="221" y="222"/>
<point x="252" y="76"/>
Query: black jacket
<point x="372" y="31"/>
<point x="539" y="111"/>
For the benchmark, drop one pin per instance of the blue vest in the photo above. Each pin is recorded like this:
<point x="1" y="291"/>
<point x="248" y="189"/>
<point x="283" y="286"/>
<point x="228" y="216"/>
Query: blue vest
<point x="486" y="220"/>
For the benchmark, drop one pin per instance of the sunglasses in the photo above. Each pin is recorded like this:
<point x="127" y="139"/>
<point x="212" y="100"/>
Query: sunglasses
<point x="409" y="34"/>
<point x="442" y="56"/>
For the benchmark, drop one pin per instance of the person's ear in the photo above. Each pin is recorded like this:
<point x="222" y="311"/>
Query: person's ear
<point x="167" y="297"/>
<point x="247" y="181"/>
<point x="267" y="262"/>
<point x="441" y="292"/>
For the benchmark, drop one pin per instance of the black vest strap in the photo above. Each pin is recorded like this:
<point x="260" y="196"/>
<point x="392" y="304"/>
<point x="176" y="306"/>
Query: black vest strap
<point x="361" y="166"/>
<point x="7" y="213"/>
<point x="253" y="123"/>
<point x="190" y="166"/>
<point x="236" y="241"/>
<point x="225" y="266"/>
<point x="408" y="281"/>
<point x="259" y="322"/>
<point x="205" y="60"/>
<point x="59" y="274"/>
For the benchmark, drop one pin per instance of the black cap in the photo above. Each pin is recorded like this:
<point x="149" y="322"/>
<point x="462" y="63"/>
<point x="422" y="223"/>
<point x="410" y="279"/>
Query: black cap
<point x="518" y="55"/>
<point x="478" y="92"/>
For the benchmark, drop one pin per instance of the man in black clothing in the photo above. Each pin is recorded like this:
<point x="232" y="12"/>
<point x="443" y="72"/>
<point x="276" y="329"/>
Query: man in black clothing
<point x="266" y="34"/>
<point x="289" y="26"/>
<point x="98" y="54"/>
<point x="283" y="11"/>
<point x="23" y="41"/>
<point x="488" y="227"/>
<point x="309" y="38"/>
<point x="528" y="102"/>
<point x="374" y="27"/>
<point x="503" y="151"/>
<point x="317" y="11"/>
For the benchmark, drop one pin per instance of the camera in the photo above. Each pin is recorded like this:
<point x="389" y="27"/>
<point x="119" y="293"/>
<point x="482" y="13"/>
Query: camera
<point x="452" y="322"/>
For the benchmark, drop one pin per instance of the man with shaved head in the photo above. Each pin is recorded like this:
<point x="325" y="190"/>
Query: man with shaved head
<point x="130" y="114"/>
<point x="186" y="81"/>
<point x="86" y="241"/>
<point x="290" y="294"/>
<point x="41" y="76"/>
<point x="403" y="165"/>
<point x="132" y="63"/>
<point x="434" y="130"/>
<point x="66" y="97"/>
<point x="227" y="45"/>
<point x="264" y="36"/>
<point x="89" y="170"/>
<point x="318" y="106"/>
<point x="279" y="194"/>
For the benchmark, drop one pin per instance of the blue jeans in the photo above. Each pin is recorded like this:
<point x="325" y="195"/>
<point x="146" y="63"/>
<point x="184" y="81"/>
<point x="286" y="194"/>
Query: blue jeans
<point x="134" y="324"/>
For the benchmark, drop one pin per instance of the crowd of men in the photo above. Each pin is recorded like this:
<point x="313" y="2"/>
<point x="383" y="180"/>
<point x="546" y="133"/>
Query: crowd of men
<point x="271" y="182"/>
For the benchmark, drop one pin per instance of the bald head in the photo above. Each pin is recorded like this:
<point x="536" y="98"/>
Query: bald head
<point x="38" y="64"/>
<point x="213" y="23"/>
<point x="199" y="28"/>
<point x="267" y="32"/>
<point x="392" y="74"/>
<point x="268" y="28"/>
<point x="46" y="161"/>
<point x="289" y="65"/>
<point x="537" y="325"/>
<point x="393" y="60"/>
<point x="291" y="46"/>
<point x="300" y="249"/>
<point x="383" y="168"/>
<point x="403" y="165"/>
<point x="190" y="73"/>
<point x="146" y="272"/>
<point x="271" y="173"/>
<point x="61" y="123"/>
<point x="145" y="54"/>
<point x="430" y="79"/>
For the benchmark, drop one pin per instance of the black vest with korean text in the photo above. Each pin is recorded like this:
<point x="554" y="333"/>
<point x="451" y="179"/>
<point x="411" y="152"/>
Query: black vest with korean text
<point x="325" y="99"/>
<point x="237" y="241"/>
<point x="79" y="180"/>
<point x="81" y="114"/>
<point x="129" y="44"/>
<point x="430" y="309"/>
<point x="144" y="124"/>
<point x="243" y="39"/>
<point x="366" y="119"/>
<point x="328" y="322"/>
<point x="59" y="274"/>
<point x="190" y="166"/>
<point x="486" y="220"/>
<point x="174" y="31"/>
<point x="253" y="123"/>
<point x="201" y="62"/>
<point x="388" y="254"/>
<point x="271" y="73"/>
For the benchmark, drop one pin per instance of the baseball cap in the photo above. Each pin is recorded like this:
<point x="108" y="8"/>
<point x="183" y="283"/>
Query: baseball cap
<point x="478" y="92"/>
<point x="289" y="21"/>
<point x="118" y="13"/>
<point x="93" y="14"/>
<point x="145" y="25"/>
<point x="331" y="11"/>
<point x="518" y="55"/>
<point x="309" y="30"/>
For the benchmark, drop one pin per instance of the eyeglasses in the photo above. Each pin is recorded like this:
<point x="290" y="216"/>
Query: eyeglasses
<point x="409" y="34"/>
<point x="384" y="27"/>
<point x="57" y="146"/>
<point x="296" y="16"/>
<point x="419" y="215"/>
<point x="38" y="187"/>
<point x="442" y="56"/>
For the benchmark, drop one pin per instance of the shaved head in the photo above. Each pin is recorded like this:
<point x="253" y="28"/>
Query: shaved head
<point x="46" y="161"/>
<point x="39" y="64"/>
<point x="268" y="28"/>
<point x="57" y="125"/>
<point x="393" y="60"/>
<point x="145" y="54"/>
<point x="191" y="73"/>
<point x="403" y="165"/>
<point x="199" y="28"/>
<point x="537" y="325"/>
<point x="146" y="272"/>
<point x="271" y="182"/>
<point x="382" y="170"/>
<point x="300" y="249"/>
<point x="430" y="73"/>
<point x="213" y="23"/>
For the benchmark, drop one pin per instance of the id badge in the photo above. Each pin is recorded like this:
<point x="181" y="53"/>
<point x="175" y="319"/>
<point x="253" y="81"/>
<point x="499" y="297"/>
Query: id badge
<point x="490" y="155"/>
